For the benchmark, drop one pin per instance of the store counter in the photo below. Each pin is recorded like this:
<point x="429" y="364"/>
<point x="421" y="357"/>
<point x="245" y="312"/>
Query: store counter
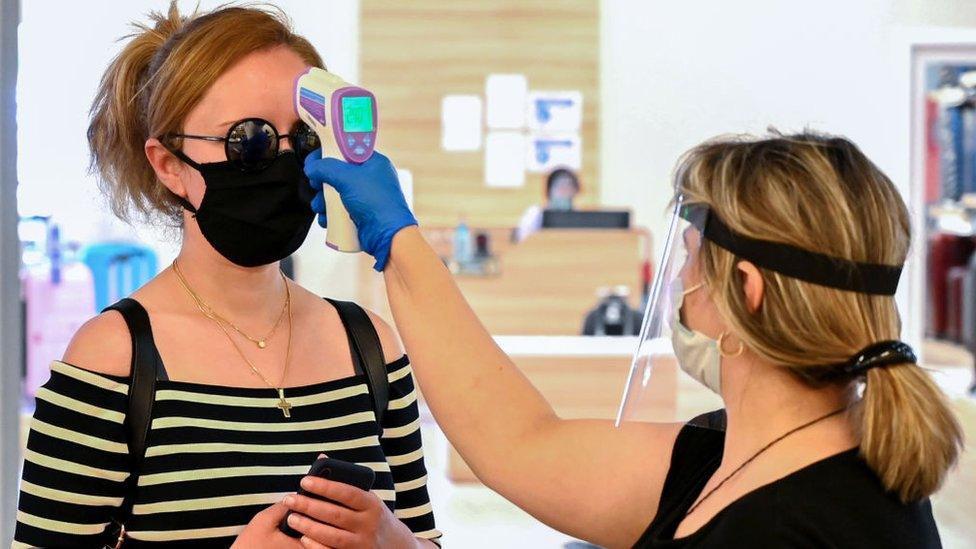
<point x="581" y="377"/>
<point x="543" y="285"/>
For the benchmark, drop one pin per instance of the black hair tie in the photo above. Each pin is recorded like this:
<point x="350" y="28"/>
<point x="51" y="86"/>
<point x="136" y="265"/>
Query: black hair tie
<point x="884" y="353"/>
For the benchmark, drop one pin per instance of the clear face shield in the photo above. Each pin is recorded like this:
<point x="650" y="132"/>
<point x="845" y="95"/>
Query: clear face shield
<point x="676" y="371"/>
<point x="651" y="393"/>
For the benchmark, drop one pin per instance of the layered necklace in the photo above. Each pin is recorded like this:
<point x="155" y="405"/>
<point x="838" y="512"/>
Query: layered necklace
<point x="261" y="343"/>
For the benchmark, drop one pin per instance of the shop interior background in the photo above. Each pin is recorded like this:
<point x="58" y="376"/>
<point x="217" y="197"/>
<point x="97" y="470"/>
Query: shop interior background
<point x="651" y="79"/>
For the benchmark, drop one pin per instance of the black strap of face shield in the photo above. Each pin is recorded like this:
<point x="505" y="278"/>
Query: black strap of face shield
<point x="824" y="270"/>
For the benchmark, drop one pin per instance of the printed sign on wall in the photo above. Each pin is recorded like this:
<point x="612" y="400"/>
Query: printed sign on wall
<point x="554" y="111"/>
<point x="536" y="131"/>
<point x="545" y="153"/>
<point x="505" y="100"/>
<point x="461" y="122"/>
<point x="505" y="159"/>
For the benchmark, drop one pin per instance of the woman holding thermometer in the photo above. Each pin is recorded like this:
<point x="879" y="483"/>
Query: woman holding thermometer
<point x="776" y="292"/>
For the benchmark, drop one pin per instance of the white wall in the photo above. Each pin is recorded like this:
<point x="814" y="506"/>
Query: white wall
<point x="676" y="73"/>
<point x="65" y="47"/>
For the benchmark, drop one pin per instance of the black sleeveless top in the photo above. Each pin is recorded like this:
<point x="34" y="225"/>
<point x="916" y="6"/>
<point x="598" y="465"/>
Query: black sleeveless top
<point x="837" y="502"/>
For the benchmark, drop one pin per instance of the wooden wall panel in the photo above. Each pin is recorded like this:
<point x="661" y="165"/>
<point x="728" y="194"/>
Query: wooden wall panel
<point x="545" y="285"/>
<point x="412" y="53"/>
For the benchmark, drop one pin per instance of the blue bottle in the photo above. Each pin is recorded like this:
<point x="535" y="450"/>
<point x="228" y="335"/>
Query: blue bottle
<point x="462" y="243"/>
<point x="54" y="253"/>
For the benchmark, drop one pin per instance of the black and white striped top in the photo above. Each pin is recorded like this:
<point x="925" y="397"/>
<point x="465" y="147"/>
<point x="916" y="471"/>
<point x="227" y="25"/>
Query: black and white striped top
<point x="215" y="456"/>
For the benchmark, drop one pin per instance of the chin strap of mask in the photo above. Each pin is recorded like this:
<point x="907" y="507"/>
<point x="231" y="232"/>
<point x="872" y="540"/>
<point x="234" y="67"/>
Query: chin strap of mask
<point x="185" y="203"/>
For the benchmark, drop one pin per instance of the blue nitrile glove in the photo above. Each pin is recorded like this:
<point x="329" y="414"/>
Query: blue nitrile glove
<point x="371" y="194"/>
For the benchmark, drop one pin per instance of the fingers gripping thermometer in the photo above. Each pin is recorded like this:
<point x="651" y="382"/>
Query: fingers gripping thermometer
<point x="344" y="117"/>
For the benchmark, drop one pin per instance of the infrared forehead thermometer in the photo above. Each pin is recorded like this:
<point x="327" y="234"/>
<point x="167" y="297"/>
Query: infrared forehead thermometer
<point x="344" y="117"/>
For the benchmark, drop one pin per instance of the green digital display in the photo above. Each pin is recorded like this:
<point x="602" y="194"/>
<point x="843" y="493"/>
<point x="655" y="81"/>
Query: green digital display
<point x="357" y="114"/>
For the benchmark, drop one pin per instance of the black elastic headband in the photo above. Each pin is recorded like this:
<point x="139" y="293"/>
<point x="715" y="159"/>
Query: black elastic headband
<point x="824" y="270"/>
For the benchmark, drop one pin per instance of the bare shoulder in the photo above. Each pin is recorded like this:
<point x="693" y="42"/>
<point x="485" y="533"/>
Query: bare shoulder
<point x="389" y="339"/>
<point x="102" y="345"/>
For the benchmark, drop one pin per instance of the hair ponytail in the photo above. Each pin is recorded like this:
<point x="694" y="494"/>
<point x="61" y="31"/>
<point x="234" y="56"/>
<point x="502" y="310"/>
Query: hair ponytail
<point x="118" y="128"/>
<point x="909" y="435"/>
<point x="804" y="190"/>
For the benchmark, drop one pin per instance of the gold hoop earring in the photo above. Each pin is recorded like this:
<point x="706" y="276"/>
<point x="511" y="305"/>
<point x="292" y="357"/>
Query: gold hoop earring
<point x="694" y="288"/>
<point x="721" y="347"/>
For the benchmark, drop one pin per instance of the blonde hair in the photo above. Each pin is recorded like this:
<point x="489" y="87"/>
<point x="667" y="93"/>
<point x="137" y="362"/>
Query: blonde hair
<point x="158" y="78"/>
<point x="822" y="194"/>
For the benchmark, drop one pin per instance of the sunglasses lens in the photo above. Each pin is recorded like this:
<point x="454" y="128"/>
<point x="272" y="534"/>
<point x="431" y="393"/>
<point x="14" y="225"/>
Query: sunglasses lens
<point x="305" y="140"/>
<point x="252" y="144"/>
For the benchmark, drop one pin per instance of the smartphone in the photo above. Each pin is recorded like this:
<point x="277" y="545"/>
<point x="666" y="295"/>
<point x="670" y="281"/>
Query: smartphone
<point x="337" y="471"/>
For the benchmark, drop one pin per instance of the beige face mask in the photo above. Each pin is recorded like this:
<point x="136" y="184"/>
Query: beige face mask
<point x="698" y="355"/>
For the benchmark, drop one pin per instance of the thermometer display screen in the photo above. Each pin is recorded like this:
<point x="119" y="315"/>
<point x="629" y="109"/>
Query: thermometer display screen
<point x="357" y="114"/>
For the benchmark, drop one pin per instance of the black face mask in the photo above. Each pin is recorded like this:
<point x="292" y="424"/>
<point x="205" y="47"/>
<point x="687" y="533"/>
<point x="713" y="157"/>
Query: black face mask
<point x="253" y="218"/>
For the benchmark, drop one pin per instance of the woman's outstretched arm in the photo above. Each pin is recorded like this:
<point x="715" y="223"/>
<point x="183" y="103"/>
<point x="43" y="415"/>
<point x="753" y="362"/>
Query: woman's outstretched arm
<point x="582" y="477"/>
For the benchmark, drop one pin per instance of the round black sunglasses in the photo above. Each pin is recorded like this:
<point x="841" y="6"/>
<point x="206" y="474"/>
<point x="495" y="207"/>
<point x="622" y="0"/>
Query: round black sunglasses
<point x="252" y="144"/>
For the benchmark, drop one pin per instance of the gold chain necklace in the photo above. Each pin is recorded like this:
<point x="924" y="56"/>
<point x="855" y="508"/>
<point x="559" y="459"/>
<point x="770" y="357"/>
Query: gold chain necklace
<point x="206" y="309"/>
<point x="282" y="404"/>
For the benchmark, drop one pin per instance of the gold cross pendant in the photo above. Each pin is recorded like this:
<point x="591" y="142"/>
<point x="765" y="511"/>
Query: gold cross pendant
<point x="283" y="404"/>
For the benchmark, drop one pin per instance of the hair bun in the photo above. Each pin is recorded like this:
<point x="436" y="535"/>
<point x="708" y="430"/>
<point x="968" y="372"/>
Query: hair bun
<point x="164" y="68"/>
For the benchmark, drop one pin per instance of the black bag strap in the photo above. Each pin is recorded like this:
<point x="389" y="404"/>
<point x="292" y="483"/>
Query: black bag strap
<point x="367" y="353"/>
<point x="146" y="369"/>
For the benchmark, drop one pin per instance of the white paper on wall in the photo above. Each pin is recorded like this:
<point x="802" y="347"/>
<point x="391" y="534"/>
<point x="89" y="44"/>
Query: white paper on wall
<point x="505" y="159"/>
<point x="406" y="185"/>
<point x="554" y="111"/>
<point x="461" y="122"/>
<point x="545" y="152"/>
<point x="505" y="100"/>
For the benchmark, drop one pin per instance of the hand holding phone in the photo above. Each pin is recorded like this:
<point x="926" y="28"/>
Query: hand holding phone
<point x="336" y="471"/>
